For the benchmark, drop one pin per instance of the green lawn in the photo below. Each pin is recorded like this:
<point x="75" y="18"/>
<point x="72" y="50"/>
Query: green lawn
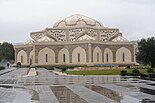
<point x="102" y="72"/>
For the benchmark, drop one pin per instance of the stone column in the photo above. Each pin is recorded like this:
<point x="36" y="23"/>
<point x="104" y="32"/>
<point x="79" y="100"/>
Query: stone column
<point x="34" y="56"/>
<point x="134" y="54"/>
<point x="89" y="52"/>
<point x="15" y="56"/>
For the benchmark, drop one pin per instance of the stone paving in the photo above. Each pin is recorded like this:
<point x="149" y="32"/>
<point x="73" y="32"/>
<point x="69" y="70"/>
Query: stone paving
<point x="88" y="95"/>
<point x="45" y="94"/>
<point x="47" y="87"/>
<point x="65" y="95"/>
<point x="6" y="96"/>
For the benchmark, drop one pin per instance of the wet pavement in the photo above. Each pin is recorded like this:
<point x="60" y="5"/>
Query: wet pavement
<point x="47" y="87"/>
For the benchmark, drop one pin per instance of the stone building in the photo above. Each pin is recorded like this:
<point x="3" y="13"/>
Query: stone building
<point x="76" y="40"/>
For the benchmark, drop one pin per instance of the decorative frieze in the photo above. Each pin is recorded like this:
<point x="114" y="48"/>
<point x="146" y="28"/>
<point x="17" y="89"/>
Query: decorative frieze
<point x="74" y="33"/>
<point x="105" y="34"/>
<point x="37" y="35"/>
<point x="59" y="34"/>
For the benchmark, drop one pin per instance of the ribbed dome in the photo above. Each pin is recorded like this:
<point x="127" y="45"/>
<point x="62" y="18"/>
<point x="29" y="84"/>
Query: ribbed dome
<point x="77" y="20"/>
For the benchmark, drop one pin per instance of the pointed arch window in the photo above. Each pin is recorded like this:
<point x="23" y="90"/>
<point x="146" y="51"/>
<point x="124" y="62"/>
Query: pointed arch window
<point x="30" y="61"/>
<point x="97" y="57"/>
<point x="78" y="57"/>
<point x="107" y="57"/>
<point x="64" y="58"/>
<point x="46" y="57"/>
<point x="21" y="59"/>
<point x="123" y="57"/>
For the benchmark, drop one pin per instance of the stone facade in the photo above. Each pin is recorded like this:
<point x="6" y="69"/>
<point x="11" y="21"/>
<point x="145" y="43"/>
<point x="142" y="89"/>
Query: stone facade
<point x="76" y="40"/>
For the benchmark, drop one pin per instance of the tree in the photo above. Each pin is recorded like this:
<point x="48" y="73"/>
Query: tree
<point x="146" y="51"/>
<point x="6" y="51"/>
<point x="1" y="53"/>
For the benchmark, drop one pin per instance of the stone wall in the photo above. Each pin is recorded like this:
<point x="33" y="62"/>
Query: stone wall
<point x="88" y="47"/>
<point x="27" y="49"/>
<point x="114" y="48"/>
<point x="57" y="48"/>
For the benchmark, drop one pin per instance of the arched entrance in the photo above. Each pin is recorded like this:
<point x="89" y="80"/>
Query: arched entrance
<point x="19" y="65"/>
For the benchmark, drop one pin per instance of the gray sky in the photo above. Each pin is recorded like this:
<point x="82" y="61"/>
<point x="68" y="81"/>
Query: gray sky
<point x="134" y="18"/>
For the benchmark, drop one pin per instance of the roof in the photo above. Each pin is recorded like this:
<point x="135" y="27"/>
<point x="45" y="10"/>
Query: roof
<point x="77" y="20"/>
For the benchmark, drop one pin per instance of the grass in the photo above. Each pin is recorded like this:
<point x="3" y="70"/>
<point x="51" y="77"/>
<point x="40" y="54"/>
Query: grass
<point x="102" y="72"/>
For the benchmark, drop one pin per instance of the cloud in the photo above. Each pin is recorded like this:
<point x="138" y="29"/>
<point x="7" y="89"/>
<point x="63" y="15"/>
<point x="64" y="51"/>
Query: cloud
<point x="134" y="18"/>
<point x="140" y="1"/>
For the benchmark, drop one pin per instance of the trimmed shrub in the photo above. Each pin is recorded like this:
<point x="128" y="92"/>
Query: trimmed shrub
<point x="2" y="67"/>
<point x="123" y="72"/>
<point x="63" y="68"/>
<point x="135" y="72"/>
<point x="128" y="67"/>
<point x="49" y="68"/>
<point x="150" y="70"/>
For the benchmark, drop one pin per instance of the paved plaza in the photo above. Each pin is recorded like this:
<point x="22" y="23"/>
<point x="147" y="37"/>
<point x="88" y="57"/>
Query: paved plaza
<point x="22" y="86"/>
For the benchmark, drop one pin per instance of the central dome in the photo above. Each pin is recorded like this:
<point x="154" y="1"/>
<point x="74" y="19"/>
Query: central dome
<point x="77" y="20"/>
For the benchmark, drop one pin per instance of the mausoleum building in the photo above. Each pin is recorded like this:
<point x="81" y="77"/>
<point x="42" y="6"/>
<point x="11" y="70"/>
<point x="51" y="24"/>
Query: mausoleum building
<point x="76" y="41"/>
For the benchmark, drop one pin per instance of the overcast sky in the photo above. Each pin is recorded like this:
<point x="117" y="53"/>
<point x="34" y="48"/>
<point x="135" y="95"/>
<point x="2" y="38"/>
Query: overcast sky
<point x="134" y="18"/>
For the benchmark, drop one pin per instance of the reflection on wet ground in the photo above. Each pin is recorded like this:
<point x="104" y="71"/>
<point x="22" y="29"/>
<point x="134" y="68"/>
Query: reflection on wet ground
<point x="152" y="84"/>
<point x="65" y="95"/>
<point x="148" y="91"/>
<point x="106" y="92"/>
<point x="47" y="87"/>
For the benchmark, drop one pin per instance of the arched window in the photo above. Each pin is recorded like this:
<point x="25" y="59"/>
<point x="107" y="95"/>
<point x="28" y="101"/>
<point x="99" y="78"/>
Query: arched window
<point x="46" y="58"/>
<point x="107" y="57"/>
<point x="21" y="59"/>
<point x="64" y="58"/>
<point x="123" y="57"/>
<point x="78" y="57"/>
<point x="30" y="61"/>
<point x="97" y="57"/>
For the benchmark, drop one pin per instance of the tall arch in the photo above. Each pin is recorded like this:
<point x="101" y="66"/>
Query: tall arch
<point x="97" y="55"/>
<point x="123" y="55"/>
<point x="79" y="55"/>
<point x="46" y="56"/>
<point x="63" y="56"/>
<point x="108" y="56"/>
<point x="22" y="57"/>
